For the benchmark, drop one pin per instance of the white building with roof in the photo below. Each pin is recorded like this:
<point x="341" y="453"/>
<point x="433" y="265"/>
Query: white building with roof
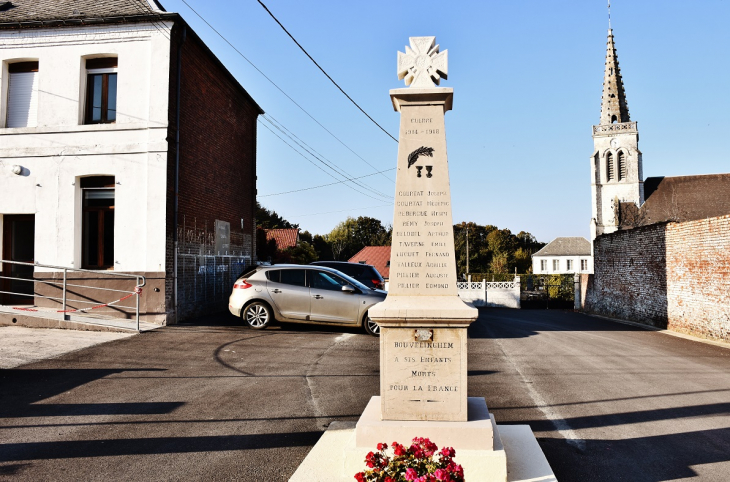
<point x="564" y="256"/>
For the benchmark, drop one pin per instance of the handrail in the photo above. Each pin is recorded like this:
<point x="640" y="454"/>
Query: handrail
<point x="139" y="280"/>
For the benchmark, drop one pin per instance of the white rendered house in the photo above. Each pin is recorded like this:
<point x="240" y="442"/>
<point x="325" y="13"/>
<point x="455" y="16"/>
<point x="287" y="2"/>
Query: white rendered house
<point x="94" y="171"/>
<point x="563" y="256"/>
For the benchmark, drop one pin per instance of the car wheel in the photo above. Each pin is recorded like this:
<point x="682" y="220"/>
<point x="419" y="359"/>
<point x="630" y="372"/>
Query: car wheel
<point x="371" y="328"/>
<point x="257" y="315"/>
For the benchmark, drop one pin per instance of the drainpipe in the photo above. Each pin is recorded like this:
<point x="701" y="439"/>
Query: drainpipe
<point x="177" y="167"/>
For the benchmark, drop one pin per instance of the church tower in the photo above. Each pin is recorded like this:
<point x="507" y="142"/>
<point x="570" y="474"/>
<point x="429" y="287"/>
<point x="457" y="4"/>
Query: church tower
<point x="616" y="171"/>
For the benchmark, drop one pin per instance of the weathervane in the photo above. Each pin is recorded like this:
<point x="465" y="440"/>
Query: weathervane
<point x="422" y="65"/>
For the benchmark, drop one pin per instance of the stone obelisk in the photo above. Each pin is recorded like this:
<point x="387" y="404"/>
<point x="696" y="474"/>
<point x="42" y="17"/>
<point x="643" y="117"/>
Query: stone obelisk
<point x="423" y="372"/>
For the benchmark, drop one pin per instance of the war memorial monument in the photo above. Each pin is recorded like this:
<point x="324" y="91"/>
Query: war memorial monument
<point x="423" y="322"/>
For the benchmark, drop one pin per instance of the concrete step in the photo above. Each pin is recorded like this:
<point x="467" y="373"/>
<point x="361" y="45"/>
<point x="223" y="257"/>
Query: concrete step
<point x="40" y="317"/>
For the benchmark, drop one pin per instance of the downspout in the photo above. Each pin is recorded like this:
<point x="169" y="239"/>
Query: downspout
<point x="177" y="168"/>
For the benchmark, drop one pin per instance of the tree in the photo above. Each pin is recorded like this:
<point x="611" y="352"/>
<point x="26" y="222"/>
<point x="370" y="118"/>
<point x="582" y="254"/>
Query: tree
<point x="302" y="253"/>
<point x="270" y="220"/>
<point x="351" y="235"/>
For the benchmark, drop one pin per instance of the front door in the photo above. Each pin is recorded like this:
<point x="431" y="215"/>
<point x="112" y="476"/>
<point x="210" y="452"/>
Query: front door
<point x="18" y="245"/>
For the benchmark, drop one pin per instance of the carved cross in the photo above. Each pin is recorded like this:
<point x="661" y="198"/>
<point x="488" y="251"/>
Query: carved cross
<point x="422" y="65"/>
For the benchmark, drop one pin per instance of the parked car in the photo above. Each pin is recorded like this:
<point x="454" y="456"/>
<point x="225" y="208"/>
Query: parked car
<point x="364" y="273"/>
<point x="303" y="294"/>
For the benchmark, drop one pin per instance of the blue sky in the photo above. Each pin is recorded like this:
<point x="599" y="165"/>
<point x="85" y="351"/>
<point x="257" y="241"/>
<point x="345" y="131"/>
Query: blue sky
<point x="527" y="79"/>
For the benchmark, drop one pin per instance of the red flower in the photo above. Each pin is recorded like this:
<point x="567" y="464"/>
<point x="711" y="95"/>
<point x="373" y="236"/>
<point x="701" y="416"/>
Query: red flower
<point x="382" y="446"/>
<point x="360" y="477"/>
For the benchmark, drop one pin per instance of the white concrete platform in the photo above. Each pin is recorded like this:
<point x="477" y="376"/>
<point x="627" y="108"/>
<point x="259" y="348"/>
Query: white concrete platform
<point x="335" y="458"/>
<point x="475" y="434"/>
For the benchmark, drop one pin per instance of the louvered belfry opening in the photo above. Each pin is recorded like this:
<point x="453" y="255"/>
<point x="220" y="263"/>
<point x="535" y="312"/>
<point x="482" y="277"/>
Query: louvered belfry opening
<point x="609" y="166"/>
<point x="621" y="166"/>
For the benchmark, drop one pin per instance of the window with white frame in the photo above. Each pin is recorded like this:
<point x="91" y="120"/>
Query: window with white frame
<point x="543" y="265"/>
<point x="584" y="265"/>
<point x="101" y="91"/>
<point x="22" y="95"/>
<point x="569" y="264"/>
<point x="556" y="265"/>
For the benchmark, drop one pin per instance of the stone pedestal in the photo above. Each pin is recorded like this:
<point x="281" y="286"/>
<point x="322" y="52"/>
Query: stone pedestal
<point x="423" y="322"/>
<point x="488" y="452"/>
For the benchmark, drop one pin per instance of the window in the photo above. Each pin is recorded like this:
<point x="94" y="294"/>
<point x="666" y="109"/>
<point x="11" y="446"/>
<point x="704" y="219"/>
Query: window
<point x="584" y="265"/>
<point x="621" y="166"/>
<point x="556" y="265"/>
<point x="327" y="281"/>
<point x="97" y="250"/>
<point x="569" y="264"/>
<point x="543" y="265"/>
<point x="609" y="166"/>
<point x="294" y="277"/>
<point x="101" y="91"/>
<point x="22" y="94"/>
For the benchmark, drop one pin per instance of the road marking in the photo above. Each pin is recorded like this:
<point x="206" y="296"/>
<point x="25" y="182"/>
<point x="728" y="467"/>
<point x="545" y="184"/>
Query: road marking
<point x="344" y="336"/>
<point x="560" y="424"/>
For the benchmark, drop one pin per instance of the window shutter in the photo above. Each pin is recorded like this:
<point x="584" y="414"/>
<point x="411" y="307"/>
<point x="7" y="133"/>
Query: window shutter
<point x="22" y="99"/>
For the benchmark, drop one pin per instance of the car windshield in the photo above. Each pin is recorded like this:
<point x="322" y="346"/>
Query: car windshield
<point x="355" y="282"/>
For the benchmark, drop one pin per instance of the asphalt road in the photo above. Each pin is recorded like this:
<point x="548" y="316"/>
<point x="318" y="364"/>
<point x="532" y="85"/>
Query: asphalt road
<point x="215" y="401"/>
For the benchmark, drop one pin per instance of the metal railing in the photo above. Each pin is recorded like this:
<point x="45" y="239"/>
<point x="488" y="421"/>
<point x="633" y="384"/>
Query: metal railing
<point x="139" y="283"/>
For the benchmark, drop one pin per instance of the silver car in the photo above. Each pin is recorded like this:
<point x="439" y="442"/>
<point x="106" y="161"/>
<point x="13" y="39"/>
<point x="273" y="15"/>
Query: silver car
<point x="303" y="294"/>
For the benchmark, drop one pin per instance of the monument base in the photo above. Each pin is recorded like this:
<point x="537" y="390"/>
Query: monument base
<point x="515" y="455"/>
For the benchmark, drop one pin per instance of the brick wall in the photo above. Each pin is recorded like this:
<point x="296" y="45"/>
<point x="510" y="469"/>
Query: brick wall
<point x="670" y="275"/>
<point x="217" y="173"/>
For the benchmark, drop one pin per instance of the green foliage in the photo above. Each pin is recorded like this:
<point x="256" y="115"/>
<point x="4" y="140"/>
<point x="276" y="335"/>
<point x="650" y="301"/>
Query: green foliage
<point x="270" y="220"/>
<point x="493" y="250"/>
<point x="351" y="235"/>
<point x="302" y="253"/>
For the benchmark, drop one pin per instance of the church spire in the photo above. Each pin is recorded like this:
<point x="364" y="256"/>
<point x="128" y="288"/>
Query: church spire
<point x="613" y="103"/>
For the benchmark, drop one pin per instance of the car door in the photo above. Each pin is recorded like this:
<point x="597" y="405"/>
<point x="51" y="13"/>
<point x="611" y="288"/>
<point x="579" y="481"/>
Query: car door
<point x="329" y="303"/>
<point x="289" y="292"/>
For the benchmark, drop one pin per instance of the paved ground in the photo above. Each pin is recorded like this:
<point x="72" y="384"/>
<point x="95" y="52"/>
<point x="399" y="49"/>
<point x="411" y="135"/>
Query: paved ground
<point x="216" y="401"/>
<point x="20" y="345"/>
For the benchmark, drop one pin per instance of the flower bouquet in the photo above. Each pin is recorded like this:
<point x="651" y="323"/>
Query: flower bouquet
<point x="421" y="462"/>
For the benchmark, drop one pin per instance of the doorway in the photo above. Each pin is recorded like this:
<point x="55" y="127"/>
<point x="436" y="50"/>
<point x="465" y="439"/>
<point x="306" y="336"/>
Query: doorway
<point x="18" y="245"/>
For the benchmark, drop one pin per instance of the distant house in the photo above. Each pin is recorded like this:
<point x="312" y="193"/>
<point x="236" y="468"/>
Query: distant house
<point x="284" y="238"/>
<point x="564" y="255"/>
<point x="377" y="256"/>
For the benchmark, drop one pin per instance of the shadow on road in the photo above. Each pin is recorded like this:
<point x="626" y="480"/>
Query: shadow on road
<point x="648" y="459"/>
<point x="21" y="390"/>
<point x="507" y="323"/>
<point x="147" y="446"/>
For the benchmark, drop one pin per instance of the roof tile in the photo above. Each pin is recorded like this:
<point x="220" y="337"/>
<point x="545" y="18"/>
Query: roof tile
<point x="377" y="256"/>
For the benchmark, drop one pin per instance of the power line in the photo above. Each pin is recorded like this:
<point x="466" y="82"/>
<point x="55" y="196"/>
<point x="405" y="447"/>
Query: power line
<point x="321" y="185"/>
<point x="341" y="211"/>
<point x="314" y="164"/>
<point x="312" y="152"/>
<point x="323" y="71"/>
<point x="280" y="89"/>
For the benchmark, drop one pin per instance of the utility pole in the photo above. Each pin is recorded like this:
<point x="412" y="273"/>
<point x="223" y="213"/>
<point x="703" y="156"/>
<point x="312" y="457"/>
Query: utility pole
<point x="467" y="251"/>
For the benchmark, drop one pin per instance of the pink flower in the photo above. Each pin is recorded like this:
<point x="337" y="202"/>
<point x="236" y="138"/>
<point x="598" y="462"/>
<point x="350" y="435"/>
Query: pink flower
<point x="448" y="452"/>
<point x="441" y="474"/>
<point x="411" y="474"/>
